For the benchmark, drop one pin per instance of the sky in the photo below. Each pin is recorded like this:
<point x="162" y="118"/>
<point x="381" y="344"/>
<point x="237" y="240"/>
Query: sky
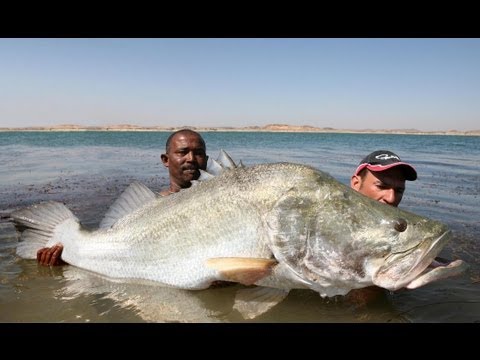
<point x="375" y="83"/>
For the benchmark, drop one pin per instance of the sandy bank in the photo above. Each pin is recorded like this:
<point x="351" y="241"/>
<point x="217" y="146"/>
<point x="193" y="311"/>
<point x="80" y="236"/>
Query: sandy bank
<point x="266" y="128"/>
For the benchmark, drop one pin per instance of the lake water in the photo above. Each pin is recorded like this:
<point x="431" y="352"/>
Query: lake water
<point x="88" y="170"/>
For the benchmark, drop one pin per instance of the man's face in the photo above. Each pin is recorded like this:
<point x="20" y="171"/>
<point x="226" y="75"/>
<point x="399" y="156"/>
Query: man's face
<point x="184" y="159"/>
<point x="385" y="186"/>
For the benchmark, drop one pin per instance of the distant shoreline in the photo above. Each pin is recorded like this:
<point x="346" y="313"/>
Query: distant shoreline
<point x="266" y="128"/>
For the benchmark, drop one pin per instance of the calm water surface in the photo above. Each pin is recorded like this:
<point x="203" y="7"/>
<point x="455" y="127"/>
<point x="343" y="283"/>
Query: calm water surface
<point x="88" y="170"/>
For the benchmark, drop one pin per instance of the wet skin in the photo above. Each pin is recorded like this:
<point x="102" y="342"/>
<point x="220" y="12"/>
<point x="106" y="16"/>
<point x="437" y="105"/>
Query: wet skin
<point x="387" y="186"/>
<point x="183" y="159"/>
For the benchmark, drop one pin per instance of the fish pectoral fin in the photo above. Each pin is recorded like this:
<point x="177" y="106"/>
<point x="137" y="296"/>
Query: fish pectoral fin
<point x="253" y="302"/>
<point x="245" y="271"/>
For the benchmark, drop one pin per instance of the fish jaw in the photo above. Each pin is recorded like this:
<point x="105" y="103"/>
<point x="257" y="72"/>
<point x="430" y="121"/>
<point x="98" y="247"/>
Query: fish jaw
<point x="414" y="264"/>
<point x="434" y="273"/>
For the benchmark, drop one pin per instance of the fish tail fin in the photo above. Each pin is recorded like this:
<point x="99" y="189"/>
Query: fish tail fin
<point x="37" y="224"/>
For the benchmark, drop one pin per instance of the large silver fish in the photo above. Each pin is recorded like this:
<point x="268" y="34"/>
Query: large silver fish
<point x="281" y="226"/>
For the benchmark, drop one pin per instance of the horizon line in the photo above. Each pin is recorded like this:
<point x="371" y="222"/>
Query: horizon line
<point x="264" y="128"/>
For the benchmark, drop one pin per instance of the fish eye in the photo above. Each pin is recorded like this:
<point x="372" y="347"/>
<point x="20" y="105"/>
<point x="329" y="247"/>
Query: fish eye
<point x="400" y="225"/>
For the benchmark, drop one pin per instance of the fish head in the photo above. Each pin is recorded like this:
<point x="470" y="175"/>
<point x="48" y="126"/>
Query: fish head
<point x="335" y="238"/>
<point x="411" y="253"/>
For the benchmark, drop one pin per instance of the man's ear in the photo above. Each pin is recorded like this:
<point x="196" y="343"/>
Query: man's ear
<point x="164" y="158"/>
<point x="355" y="182"/>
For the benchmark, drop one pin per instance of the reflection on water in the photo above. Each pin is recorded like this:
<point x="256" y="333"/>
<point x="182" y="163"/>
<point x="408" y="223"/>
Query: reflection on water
<point x="68" y="294"/>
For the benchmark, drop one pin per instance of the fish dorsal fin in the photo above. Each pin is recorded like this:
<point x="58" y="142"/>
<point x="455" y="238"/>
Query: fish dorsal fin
<point x="205" y="176"/>
<point x="225" y="160"/>
<point x="245" y="271"/>
<point x="252" y="302"/>
<point x="134" y="196"/>
<point x="216" y="167"/>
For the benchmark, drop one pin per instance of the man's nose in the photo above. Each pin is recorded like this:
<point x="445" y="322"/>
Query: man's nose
<point x="389" y="196"/>
<point x="190" y="156"/>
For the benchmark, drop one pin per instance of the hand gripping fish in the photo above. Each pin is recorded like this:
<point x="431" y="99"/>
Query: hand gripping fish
<point x="279" y="226"/>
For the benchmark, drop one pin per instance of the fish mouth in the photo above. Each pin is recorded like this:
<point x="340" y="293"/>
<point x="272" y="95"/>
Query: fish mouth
<point x="436" y="271"/>
<point x="423" y="270"/>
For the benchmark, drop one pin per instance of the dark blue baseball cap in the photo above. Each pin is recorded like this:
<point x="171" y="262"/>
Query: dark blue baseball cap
<point x="382" y="160"/>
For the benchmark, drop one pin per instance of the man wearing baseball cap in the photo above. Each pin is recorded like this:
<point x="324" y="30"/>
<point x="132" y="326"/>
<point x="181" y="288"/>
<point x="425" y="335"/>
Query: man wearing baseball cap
<point x="381" y="176"/>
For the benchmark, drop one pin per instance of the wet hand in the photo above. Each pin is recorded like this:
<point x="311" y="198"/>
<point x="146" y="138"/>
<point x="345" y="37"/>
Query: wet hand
<point x="50" y="256"/>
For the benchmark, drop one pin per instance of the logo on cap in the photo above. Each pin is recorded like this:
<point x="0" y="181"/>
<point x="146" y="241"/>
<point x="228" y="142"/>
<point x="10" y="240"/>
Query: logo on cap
<point x="387" y="157"/>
